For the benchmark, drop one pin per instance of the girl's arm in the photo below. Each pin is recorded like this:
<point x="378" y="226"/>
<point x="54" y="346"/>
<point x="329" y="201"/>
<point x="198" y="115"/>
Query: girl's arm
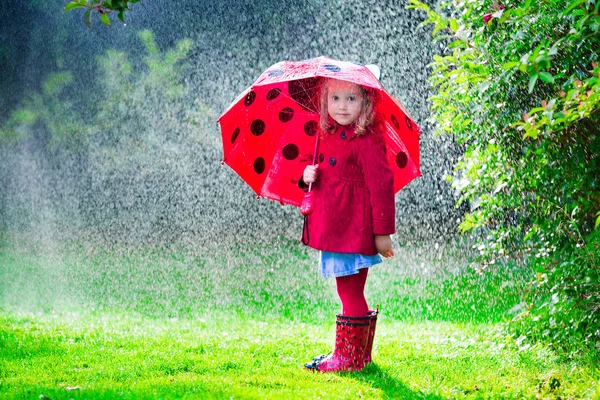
<point x="383" y="244"/>
<point x="309" y="175"/>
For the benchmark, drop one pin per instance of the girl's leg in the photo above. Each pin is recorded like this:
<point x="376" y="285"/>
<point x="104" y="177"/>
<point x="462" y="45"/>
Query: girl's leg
<point x="352" y="328"/>
<point x="351" y="290"/>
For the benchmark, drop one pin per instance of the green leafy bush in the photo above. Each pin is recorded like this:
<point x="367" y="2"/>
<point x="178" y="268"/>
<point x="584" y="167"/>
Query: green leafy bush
<point x="103" y="7"/>
<point x="519" y="87"/>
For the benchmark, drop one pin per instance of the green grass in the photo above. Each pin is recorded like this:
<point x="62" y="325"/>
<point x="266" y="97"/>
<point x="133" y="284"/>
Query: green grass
<point x="112" y="355"/>
<point x="239" y="322"/>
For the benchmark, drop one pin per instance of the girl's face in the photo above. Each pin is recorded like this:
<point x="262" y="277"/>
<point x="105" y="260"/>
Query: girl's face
<point x="344" y="101"/>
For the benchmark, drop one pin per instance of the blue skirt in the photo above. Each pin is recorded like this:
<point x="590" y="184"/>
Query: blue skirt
<point x="342" y="264"/>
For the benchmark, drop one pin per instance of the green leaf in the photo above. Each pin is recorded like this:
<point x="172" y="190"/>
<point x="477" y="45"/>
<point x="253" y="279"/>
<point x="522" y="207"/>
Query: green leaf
<point x="456" y="43"/>
<point x="510" y="65"/>
<point x="532" y="82"/>
<point x="87" y="17"/>
<point x="532" y="133"/>
<point x="523" y="67"/>
<point x="505" y="16"/>
<point x="573" y="5"/>
<point x="104" y="19"/>
<point x="414" y="4"/>
<point x="120" y="15"/>
<point x="453" y="25"/>
<point x="72" y="5"/>
<point x="439" y="25"/>
<point x="546" y="77"/>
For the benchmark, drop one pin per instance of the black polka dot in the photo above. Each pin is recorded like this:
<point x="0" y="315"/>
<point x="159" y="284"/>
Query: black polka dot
<point x="273" y="93"/>
<point x="290" y="151"/>
<point x="286" y="114"/>
<point x="408" y="123"/>
<point x="343" y="135"/>
<point x="235" y="134"/>
<point x="395" y="121"/>
<point x="332" y="68"/>
<point x="250" y="97"/>
<point x="332" y="161"/>
<point x="276" y="72"/>
<point x="310" y="128"/>
<point x="257" y="127"/>
<point x="321" y="158"/>
<point x="401" y="159"/>
<point x="259" y="165"/>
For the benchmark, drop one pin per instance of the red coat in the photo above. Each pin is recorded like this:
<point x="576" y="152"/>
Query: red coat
<point x="353" y="194"/>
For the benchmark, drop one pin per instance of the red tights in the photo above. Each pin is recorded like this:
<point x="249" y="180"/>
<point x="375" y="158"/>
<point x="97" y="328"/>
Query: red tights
<point x="351" y="289"/>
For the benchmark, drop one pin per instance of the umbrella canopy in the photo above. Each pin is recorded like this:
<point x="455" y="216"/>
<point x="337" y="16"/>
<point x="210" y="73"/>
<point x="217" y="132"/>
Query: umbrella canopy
<point x="269" y="131"/>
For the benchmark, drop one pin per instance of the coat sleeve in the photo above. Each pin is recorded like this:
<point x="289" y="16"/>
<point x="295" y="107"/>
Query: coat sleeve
<point x="301" y="184"/>
<point x="379" y="179"/>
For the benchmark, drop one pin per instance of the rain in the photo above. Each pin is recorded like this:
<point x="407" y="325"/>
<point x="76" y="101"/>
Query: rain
<point x="151" y="173"/>
<point x="113" y="197"/>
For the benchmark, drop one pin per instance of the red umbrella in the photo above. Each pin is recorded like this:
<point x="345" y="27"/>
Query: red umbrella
<point x="269" y="131"/>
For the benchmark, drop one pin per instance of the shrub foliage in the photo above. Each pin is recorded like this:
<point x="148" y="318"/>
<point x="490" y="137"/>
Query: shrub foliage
<point x="104" y="8"/>
<point x="519" y="86"/>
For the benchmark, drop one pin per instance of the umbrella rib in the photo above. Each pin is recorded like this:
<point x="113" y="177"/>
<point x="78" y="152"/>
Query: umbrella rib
<point x="291" y="98"/>
<point x="306" y="91"/>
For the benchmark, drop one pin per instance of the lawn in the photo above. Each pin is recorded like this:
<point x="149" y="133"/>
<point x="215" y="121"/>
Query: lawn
<point x="89" y="321"/>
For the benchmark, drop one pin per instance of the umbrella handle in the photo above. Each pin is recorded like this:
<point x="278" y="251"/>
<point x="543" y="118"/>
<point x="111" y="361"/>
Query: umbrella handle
<point x="308" y="203"/>
<point x="314" y="157"/>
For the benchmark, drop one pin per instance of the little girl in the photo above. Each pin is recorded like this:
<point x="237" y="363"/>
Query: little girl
<point x="354" y="214"/>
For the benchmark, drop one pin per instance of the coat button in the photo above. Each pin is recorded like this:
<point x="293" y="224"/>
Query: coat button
<point x="321" y="158"/>
<point x="332" y="161"/>
<point x="343" y="135"/>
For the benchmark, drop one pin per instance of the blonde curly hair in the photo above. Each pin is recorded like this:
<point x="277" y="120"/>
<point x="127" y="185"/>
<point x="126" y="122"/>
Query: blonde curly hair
<point x="365" y="119"/>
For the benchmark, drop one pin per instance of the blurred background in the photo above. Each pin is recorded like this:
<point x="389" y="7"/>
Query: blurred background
<point x="110" y="151"/>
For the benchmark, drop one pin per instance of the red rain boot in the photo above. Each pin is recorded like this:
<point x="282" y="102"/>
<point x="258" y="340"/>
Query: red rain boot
<point x="351" y="336"/>
<point x="373" y="315"/>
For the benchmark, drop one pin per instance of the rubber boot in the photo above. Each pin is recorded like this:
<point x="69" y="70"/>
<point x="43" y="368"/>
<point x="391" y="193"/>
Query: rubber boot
<point x="373" y="323"/>
<point x="351" y="336"/>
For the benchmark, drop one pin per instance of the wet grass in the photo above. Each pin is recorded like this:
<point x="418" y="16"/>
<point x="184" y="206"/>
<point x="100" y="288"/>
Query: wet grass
<point x="84" y="321"/>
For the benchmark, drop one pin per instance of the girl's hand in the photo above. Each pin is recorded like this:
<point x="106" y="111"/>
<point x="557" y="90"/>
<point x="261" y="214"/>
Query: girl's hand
<point x="310" y="173"/>
<point x="383" y="243"/>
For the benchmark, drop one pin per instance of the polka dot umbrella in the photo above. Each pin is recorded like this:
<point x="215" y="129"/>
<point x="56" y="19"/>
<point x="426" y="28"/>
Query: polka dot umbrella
<point x="269" y="131"/>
